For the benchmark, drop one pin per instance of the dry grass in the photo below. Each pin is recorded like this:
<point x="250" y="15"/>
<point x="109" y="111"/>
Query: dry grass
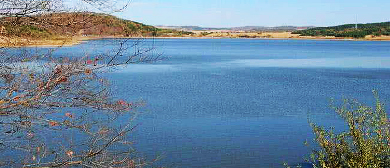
<point x="27" y="42"/>
<point x="377" y="38"/>
<point x="278" y="35"/>
<point x="225" y="34"/>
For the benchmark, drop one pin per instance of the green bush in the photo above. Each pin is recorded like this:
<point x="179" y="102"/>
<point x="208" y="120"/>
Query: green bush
<point x="366" y="143"/>
<point x="206" y="33"/>
<point x="27" y="31"/>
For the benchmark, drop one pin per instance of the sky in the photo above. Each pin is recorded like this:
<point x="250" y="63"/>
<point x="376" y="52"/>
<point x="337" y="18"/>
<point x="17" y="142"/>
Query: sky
<point x="235" y="13"/>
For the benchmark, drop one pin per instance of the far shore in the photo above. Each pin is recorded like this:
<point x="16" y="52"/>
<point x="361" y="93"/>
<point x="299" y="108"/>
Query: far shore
<point x="75" y="40"/>
<point x="26" y="42"/>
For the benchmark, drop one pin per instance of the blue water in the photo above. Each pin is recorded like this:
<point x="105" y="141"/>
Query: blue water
<point x="241" y="102"/>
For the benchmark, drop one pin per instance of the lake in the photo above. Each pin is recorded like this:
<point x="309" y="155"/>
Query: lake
<point x="242" y="102"/>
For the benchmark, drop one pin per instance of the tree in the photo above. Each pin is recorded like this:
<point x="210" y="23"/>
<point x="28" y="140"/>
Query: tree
<point x="366" y="142"/>
<point x="60" y="111"/>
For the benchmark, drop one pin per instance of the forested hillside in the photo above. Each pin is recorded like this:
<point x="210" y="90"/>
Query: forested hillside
<point x="83" y="24"/>
<point x="349" y="30"/>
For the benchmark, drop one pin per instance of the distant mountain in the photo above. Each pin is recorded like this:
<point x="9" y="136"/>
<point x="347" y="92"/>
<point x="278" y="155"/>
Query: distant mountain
<point x="349" y="30"/>
<point x="245" y="28"/>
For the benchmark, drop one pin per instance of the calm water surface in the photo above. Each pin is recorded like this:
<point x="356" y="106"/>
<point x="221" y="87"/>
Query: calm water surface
<point x="240" y="102"/>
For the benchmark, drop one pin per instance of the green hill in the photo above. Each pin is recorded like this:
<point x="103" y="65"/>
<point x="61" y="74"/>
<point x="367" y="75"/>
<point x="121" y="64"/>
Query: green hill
<point x="349" y="30"/>
<point x="82" y="24"/>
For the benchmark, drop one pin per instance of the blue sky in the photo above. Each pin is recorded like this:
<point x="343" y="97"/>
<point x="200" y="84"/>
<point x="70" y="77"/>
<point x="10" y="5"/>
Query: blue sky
<point x="232" y="13"/>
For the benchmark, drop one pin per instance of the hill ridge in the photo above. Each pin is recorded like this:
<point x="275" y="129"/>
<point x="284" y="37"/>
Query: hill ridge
<point x="349" y="30"/>
<point x="77" y="23"/>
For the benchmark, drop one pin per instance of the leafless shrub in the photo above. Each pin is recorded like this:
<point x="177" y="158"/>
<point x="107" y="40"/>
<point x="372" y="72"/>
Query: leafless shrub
<point x="60" y="112"/>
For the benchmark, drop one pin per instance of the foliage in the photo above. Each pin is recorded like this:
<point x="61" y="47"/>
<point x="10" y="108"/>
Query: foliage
<point x="365" y="144"/>
<point x="27" y="31"/>
<point x="206" y="33"/>
<point x="172" y="32"/>
<point x="348" y="30"/>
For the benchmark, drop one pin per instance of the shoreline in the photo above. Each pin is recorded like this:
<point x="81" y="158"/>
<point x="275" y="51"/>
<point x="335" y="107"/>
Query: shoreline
<point x="266" y="38"/>
<point x="299" y="38"/>
<point x="71" y="41"/>
<point x="6" y="42"/>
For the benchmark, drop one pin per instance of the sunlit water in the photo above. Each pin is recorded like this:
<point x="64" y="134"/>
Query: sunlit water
<point x="240" y="102"/>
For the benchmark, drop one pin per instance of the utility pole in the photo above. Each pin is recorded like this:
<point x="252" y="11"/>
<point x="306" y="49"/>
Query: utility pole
<point x="356" y="23"/>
